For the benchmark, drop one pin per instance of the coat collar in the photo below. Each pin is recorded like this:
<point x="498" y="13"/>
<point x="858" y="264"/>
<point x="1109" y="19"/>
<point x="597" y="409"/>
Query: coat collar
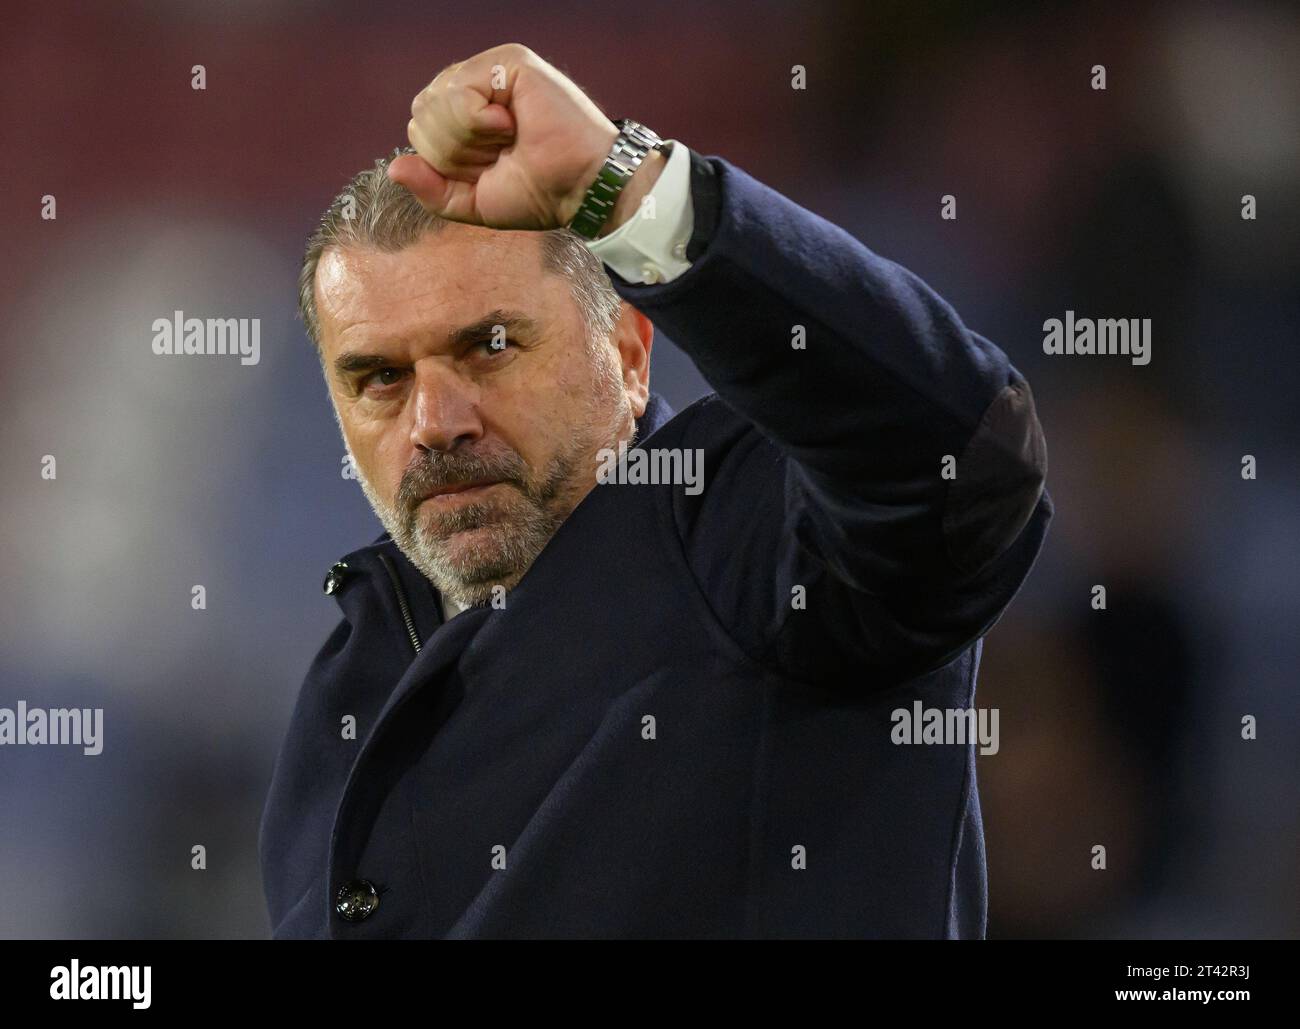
<point x="657" y="413"/>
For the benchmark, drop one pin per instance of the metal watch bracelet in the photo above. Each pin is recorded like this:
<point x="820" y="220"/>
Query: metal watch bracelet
<point x="628" y="150"/>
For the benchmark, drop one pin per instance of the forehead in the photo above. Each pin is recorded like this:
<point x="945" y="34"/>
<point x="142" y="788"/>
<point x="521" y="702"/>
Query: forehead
<point x="443" y="280"/>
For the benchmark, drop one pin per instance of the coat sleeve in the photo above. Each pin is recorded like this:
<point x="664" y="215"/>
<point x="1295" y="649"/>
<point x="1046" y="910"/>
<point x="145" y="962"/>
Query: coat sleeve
<point x="879" y="496"/>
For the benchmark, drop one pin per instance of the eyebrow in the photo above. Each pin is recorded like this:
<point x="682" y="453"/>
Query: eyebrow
<point x="514" y="323"/>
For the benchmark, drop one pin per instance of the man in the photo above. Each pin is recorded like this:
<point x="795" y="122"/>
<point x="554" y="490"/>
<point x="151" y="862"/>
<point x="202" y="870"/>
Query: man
<point x="614" y="671"/>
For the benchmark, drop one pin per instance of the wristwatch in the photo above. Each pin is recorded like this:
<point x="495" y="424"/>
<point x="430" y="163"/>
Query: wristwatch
<point x="630" y="146"/>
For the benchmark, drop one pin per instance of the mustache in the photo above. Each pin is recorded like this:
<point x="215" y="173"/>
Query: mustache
<point x="434" y="471"/>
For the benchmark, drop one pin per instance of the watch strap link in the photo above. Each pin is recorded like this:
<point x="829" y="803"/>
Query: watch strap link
<point x="628" y="150"/>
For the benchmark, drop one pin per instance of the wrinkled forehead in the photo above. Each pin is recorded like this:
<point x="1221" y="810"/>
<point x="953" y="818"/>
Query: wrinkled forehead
<point x="439" y="282"/>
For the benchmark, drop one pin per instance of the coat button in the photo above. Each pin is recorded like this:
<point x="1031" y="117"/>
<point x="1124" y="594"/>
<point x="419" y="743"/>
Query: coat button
<point x="334" y="578"/>
<point x="356" y="900"/>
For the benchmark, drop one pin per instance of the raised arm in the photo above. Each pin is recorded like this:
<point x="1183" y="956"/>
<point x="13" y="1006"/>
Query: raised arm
<point x="897" y="474"/>
<point x="880" y="457"/>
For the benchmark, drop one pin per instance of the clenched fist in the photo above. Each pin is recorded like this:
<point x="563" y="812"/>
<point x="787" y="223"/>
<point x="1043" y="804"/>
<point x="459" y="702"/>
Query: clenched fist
<point x="504" y="140"/>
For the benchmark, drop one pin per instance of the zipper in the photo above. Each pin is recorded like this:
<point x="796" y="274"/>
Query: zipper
<point x="401" y="601"/>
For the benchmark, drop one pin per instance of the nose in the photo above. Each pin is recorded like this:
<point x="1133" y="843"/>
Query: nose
<point x="445" y="410"/>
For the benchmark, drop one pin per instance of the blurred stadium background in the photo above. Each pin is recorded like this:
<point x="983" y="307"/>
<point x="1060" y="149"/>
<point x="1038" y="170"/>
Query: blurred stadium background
<point x="1119" y="727"/>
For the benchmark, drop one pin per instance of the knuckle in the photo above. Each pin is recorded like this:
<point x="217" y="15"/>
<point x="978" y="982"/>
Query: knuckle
<point x="524" y="55"/>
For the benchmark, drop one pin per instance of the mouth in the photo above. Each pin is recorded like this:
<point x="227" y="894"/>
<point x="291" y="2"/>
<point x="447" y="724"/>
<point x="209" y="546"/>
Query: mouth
<point x="461" y="491"/>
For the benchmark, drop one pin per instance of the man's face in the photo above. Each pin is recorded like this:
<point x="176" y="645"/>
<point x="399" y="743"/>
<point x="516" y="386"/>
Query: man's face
<point x="471" y="454"/>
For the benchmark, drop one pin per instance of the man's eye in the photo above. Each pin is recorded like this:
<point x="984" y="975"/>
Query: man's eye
<point x="496" y="346"/>
<point x="382" y="377"/>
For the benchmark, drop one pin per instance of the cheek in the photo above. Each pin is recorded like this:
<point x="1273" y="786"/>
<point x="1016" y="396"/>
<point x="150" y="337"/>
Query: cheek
<point x="530" y="407"/>
<point x="378" y="449"/>
<point x="523" y="430"/>
<point x="576" y="386"/>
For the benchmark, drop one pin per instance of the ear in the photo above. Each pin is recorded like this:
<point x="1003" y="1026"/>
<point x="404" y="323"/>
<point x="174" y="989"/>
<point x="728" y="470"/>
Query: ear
<point x="634" y="336"/>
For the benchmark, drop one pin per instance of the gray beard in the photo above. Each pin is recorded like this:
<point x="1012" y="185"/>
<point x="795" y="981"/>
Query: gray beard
<point x="513" y="540"/>
<point x="512" y="531"/>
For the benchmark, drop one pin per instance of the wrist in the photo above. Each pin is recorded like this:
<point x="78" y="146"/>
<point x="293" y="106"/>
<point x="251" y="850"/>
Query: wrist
<point x="626" y="174"/>
<point x="637" y="188"/>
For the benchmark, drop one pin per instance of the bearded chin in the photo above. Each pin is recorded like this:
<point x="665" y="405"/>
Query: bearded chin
<point x="466" y="578"/>
<point x="468" y="552"/>
<point x="508" y="536"/>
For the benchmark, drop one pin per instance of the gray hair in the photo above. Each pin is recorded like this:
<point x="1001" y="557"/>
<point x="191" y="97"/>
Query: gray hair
<point x="373" y="211"/>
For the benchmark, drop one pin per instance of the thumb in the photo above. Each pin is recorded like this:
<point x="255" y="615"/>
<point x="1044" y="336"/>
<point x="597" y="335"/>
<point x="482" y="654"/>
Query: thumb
<point x="420" y="178"/>
<point x="494" y="123"/>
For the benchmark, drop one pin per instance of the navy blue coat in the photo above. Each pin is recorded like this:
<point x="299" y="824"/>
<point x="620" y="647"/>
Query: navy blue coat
<point x="661" y="734"/>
